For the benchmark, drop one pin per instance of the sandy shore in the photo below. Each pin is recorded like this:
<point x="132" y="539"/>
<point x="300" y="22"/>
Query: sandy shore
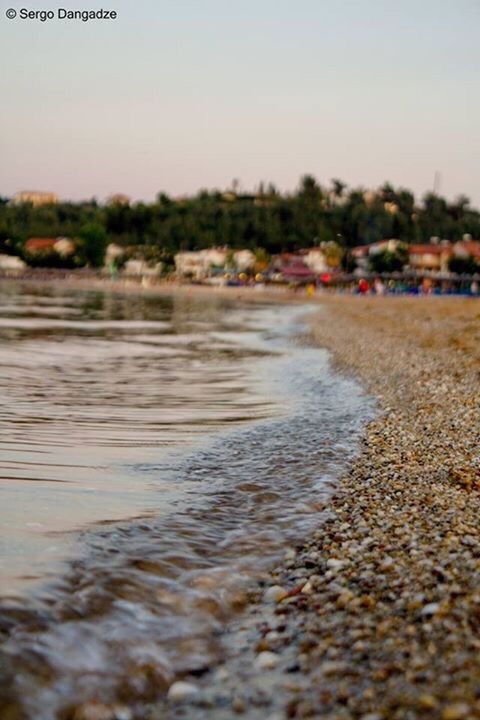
<point x="378" y="614"/>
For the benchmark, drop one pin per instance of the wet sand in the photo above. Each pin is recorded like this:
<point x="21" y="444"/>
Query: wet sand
<point x="377" y="614"/>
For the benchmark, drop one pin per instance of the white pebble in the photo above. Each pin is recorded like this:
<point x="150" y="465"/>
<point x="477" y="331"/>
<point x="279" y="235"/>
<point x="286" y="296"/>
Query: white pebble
<point x="335" y="564"/>
<point x="431" y="609"/>
<point x="266" y="660"/>
<point x="181" y="690"/>
<point x="275" y="593"/>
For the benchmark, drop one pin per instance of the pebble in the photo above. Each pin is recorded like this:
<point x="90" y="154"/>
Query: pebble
<point x="431" y="609"/>
<point x="458" y="711"/>
<point x="266" y="660"/>
<point x="238" y="705"/>
<point x="335" y="564"/>
<point x="376" y="620"/>
<point x="275" y="593"/>
<point x="181" y="690"/>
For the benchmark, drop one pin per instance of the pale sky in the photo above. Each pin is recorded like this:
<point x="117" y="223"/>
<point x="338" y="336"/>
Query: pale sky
<point x="176" y="95"/>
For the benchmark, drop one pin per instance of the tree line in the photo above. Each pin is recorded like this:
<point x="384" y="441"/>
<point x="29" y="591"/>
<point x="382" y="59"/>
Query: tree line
<point x="266" y="219"/>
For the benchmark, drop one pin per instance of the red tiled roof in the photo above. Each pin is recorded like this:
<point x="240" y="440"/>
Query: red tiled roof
<point x="471" y="247"/>
<point x="39" y="244"/>
<point x="429" y="249"/>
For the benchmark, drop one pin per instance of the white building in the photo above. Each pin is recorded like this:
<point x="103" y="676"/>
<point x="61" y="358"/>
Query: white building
<point x="198" y="264"/>
<point x="139" y="268"/>
<point x="244" y="260"/>
<point x="35" y="197"/>
<point x="316" y="260"/>
<point x="11" y="263"/>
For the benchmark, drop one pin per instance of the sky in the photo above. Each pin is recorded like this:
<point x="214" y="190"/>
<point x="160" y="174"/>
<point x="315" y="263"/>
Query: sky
<point x="178" y="95"/>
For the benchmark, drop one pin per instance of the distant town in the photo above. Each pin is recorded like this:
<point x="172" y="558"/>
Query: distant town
<point x="321" y="236"/>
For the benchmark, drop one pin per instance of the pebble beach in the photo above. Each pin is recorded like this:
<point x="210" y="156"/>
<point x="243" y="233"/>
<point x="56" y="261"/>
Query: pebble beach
<point x="377" y="614"/>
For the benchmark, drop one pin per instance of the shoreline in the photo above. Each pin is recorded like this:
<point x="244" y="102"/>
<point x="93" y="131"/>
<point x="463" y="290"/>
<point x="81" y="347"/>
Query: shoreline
<point x="175" y="288"/>
<point x="377" y="614"/>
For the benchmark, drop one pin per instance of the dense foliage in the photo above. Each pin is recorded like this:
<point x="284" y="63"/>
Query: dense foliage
<point x="388" y="261"/>
<point x="266" y="219"/>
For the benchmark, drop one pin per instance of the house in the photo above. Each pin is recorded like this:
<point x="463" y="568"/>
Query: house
<point x="430" y="258"/>
<point x="39" y="246"/>
<point x="244" y="260"/>
<point x="362" y="253"/>
<point x="11" y="263"/>
<point x="35" y="197"/>
<point x="298" y="272"/>
<point x="198" y="264"/>
<point x="316" y="260"/>
<point x="140" y="268"/>
<point x="64" y="247"/>
<point x="291" y="267"/>
<point x="467" y="248"/>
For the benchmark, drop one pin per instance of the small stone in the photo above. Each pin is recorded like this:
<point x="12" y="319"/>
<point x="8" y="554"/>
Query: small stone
<point x="275" y="593"/>
<point x="222" y="674"/>
<point x="457" y="711"/>
<point x="181" y="690"/>
<point x="238" y="705"/>
<point x="123" y="713"/>
<point x="430" y="609"/>
<point x="427" y="702"/>
<point x="332" y="667"/>
<point x="94" y="711"/>
<point x="266" y="660"/>
<point x="335" y="564"/>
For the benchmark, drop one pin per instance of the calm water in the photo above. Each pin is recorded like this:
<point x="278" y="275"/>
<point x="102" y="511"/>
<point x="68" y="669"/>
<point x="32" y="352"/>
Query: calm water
<point x="156" y="455"/>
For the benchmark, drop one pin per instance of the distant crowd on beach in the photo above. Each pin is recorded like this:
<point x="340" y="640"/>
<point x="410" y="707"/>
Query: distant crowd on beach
<point x="426" y="286"/>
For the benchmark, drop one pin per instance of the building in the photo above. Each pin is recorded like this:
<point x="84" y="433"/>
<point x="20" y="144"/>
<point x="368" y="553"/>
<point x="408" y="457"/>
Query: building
<point x="64" y="247"/>
<point x="35" y="197"/>
<point x="430" y="258"/>
<point x="316" y="260"/>
<point x="140" y="268"/>
<point x="467" y="249"/>
<point x="11" y="263"/>
<point x="291" y="267"/>
<point x="362" y="253"/>
<point x="37" y="246"/>
<point x="244" y="260"/>
<point x="198" y="264"/>
<point x="298" y="272"/>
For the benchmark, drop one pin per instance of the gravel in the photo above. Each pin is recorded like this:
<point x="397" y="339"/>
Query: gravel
<point x="377" y="615"/>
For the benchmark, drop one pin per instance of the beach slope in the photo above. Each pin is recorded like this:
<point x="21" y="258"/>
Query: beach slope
<point x="382" y="616"/>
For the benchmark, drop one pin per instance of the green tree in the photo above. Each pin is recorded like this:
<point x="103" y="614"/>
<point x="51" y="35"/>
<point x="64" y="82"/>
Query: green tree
<point x="388" y="261"/>
<point x="463" y="265"/>
<point x="93" y="244"/>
